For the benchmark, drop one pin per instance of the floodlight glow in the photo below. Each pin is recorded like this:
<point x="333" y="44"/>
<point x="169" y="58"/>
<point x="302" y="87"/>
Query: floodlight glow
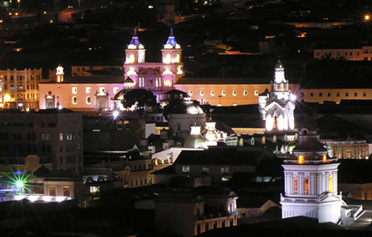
<point x="115" y="114"/>
<point x="20" y="184"/>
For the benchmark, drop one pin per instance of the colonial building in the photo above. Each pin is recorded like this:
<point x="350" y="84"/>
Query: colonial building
<point x="87" y="91"/>
<point x="363" y="53"/>
<point x="277" y="105"/>
<point x="310" y="183"/>
<point x="19" y="88"/>
<point x="158" y="77"/>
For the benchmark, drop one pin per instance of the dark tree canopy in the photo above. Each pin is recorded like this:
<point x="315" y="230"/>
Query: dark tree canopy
<point x="141" y="96"/>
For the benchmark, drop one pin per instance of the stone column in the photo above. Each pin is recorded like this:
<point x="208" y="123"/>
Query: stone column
<point x="313" y="184"/>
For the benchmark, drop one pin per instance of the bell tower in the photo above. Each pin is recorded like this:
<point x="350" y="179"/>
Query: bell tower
<point x="134" y="56"/>
<point x="172" y="68"/>
<point x="310" y="183"/>
<point x="277" y="105"/>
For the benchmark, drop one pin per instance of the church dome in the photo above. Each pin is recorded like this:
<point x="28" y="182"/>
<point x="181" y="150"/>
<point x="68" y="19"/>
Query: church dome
<point x="187" y="107"/>
<point x="195" y="140"/>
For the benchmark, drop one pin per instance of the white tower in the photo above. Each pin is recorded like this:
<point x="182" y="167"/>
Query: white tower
<point x="134" y="55"/>
<point x="310" y="181"/>
<point x="59" y="73"/>
<point x="172" y="61"/>
<point x="277" y="106"/>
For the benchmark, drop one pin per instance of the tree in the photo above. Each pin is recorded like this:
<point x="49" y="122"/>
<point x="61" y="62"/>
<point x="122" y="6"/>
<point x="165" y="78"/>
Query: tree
<point x="141" y="96"/>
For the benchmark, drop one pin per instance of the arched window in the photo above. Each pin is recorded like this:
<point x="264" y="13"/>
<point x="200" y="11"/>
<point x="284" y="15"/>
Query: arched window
<point x="295" y="186"/>
<point x="306" y="185"/>
<point x="131" y="58"/>
<point x="234" y="92"/>
<point x="245" y="92"/>
<point x="330" y="184"/>
<point x="89" y="101"/>
<point x="74" y="100"/>
<point x="212" y="93"/>
<point x="52" y="191"/>
<point x="223" y="92"/>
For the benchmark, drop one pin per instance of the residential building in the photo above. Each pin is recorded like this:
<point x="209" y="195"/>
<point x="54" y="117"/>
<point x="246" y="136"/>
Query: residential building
<point x="56" y="136"/>
<point x="20" y="88"/>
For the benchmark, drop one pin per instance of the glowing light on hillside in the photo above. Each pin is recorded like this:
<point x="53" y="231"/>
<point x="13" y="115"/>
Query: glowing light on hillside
<point x="367" y="17"/>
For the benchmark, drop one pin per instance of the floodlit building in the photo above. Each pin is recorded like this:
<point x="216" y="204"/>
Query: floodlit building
<point x="20" y="88"/>
<point x="310" y="183"/>
<point x="277" y="105"/>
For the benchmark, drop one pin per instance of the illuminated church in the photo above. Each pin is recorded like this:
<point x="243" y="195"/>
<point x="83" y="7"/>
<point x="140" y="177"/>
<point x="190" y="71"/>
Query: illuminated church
<point x="310" y="183"/>
<point x="158" y="77"/>
<point x="277" y="106"/>
<point x="97" y="92"/>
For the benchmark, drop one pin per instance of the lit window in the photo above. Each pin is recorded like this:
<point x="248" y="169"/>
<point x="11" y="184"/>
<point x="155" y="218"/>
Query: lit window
<point x="186" y="169"/>
<point x="205" y="169"/>
<point x="88" y="90"/>
<point x="256" y="92"/>
<point x="66" y="191"/>
<point x="201" y="92"/>
<point x="61" y="136"/>
<point x="306" y="185"/>
<point x="102" y="90"/>
<point x="234" y="92"/>
<point x="74" y="90"/>
<point x="330" y="184"/>
<point x="212" y="93"/>
<point x="295" y="185"/>
<point x="225" y="170"/>
<point x="190" y="92"/>
<point x="116" y="90"/>
<point x="52" y="191"/>
<point x="223" y="93"/>
<point x="74" y="100"/>
<point x="88" y="100"/>
<point x="245" y="92"/>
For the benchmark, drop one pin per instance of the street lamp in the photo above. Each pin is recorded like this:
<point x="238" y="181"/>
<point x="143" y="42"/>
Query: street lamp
<point x="367" y="17"/>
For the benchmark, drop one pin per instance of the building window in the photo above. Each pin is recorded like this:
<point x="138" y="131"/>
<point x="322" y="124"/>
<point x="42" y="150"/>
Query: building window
<point x="223" y="92"/>
<point x="185" y="169"/>
<point x="88" y="90"/>
<point x="245" y="92"/>
<point x="346" y="94"/>
<point x="320" y="94"/>
<point x="256" y="92"/>
<point x="212" y="93"/>
<point x="234" y="92"/>
<point x="306" y="185"/>
<point x="116" y="90"/>
<point x="356" y="94"/>
<point x="364" y="94"/>
<point x="205" y="169"/>
<point x="74" y="90"/>
<point x="330" y="184"/>
<point x="61" y="136"/>
<point x="225" y="170"/>
<point x="190" y="92"/>
<point x="201" y="92"/>
<point x="329" y="94"/>
<point x="66" y="191"/>
<point x="52" y="191"/>
<point x="74" y="100"/>
<point x="88" y="100"/>
<point x="338" y="94"/>
<point x="311" y="94"/>
<point x="101" y="90"/>
<point x="295" y="185"/>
